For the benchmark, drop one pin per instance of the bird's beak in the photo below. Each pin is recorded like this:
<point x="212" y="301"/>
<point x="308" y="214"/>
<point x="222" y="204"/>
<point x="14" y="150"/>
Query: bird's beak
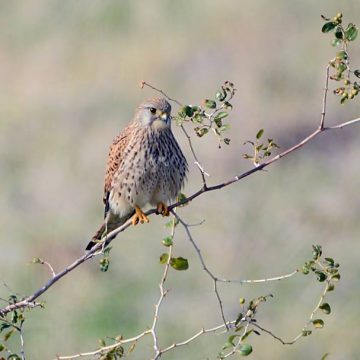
<point x="164" y="117"/>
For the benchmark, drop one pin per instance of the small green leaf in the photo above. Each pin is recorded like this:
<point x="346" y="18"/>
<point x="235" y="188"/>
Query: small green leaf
<point x="231" y="339"/>
<point x="179" y="263"/>
<point x="325" y="307"/>
<point x="181" y="197"/>
<point x="328" y="26"/>
<point x="339" y="33"/>
<point x="336" y="42"/>
<point x="324" y="356"/>
<point x="335" y="277"/>
<point x="102" y="342"/>
<point x="164" y="258"/>
<point x="246" y="334"/>
<point x="357" y="73"/>
<point x="245" y="349"/>
<point x="13" y="357"/>
<point x="342" y="55"/>
<point x="107" y="251"/>
<point x="36" y="261"/>
<point x="8" y="334"/>
<point x="321" y="276"/>
<point x="260" y="134"/>
<point x="4" y="326"/>
<point x="305" y="269"/>
<point x="318" y="323"/>
<point x="2" y="347"/>
<point x="200" y="132"/>
<point x="306" y="332"/>
<point x="351" y="32"/>
<point x="221" y="95"/>
<point x="331" y="287"/>
<point x="239" y="318"/>
<point x="221" y="115"/>
<point x="188" y="110"/>
<point x="104" y="264"/>
<point x="210" y="104"/>
<point x="168" y="241"/>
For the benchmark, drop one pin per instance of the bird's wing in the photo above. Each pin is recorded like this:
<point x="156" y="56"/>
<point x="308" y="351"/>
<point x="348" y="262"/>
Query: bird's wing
<point x="115" y="158"/>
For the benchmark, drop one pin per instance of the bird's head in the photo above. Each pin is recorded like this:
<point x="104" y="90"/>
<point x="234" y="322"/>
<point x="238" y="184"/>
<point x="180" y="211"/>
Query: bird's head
<point x="155" y="113"/>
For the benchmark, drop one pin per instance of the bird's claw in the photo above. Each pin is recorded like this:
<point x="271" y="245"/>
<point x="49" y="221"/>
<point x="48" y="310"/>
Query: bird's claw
<point x="139" y="217"/>
<point x="162" y="209"/>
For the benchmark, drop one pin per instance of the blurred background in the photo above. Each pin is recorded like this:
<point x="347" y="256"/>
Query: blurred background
<point x="70" y="75"/>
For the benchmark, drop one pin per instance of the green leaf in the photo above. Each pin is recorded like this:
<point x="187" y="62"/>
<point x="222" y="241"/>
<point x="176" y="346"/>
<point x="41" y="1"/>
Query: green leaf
<point x="210" y="104"/>
<point x="2" y="347"/>
<point x="336" y="42"/>
<point x="102" y="342"/>
<point x="306" y="332"/>
<point x="13" y="357"/>
<point x="221" y="95"/>
<point x="239" y="317"/>
<point x="36" y="261"/>
<point x="245" y="349"/>
<point x="104" y="264"/>
<point x="342" y="55"/>
<point x="8" y="334"/>
<point x="231" y="338"/>
<point x="221" y="115"/>
<point x="328" y="26"/>
<point x="188" y="110"/>
<point x="164" y="258"/>
<point x="168" y="241"/>
<point x="107" y="251"/>
<point x="260" y="134"/>
<point x="324" y="356"/>
<point x="179" y="263"/>
<point x="321" y="276"/>
<point x="246" y="334"/>
<point x="305" y="269"/>
<point x="318" y="323"/>
<point x="339" y="33"/>
<point x="4" y="326"/>
<point x="357" y="73"/>
<point x="200" y="132"/>
<point x="325" y="307"/>
<point x="351" y="32"/>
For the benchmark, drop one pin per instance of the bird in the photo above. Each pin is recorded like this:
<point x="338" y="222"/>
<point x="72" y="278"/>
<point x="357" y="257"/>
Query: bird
<point x="145" y="166"/>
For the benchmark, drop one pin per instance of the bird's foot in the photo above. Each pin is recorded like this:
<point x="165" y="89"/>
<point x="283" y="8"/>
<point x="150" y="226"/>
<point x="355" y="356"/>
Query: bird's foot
<point x="139" y="217"/>
<point x="162" y="209"/>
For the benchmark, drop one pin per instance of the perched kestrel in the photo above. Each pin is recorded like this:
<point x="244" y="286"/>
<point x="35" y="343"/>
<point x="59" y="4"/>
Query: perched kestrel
<point x="145" y="165"/>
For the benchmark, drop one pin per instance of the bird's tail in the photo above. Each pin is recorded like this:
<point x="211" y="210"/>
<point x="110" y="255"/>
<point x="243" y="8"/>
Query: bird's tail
<point x="111" y="223"/>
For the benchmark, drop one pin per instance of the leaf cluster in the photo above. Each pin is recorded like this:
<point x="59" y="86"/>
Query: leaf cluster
<point x="210" y="115"/>
<point x="343" y="35"/>
<point x="260" y="150"/>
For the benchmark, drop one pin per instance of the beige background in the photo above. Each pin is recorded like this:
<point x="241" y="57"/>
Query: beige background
<point x="70" y="74"/>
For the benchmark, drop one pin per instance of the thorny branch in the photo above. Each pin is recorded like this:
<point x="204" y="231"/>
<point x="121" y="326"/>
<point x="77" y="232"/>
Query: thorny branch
<point x="30" y="301"/>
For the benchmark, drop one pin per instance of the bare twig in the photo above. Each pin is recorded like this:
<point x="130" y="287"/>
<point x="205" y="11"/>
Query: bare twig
<point x="163" y="293"/>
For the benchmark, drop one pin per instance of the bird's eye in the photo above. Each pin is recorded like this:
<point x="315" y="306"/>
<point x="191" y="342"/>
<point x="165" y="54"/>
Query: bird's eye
<point x="152" y="110"/>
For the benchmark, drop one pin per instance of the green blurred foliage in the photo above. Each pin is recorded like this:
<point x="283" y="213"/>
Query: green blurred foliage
<point x="70" y="74"/>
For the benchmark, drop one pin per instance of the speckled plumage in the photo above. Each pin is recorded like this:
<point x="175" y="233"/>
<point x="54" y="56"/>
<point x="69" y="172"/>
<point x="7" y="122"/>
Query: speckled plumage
<point x="145" y="165"/>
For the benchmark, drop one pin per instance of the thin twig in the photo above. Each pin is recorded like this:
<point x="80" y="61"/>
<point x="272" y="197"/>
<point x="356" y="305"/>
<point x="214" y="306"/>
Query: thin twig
<point x="144" y="83"/>
<point x="163" y="293"/>
<point x="326" y="88"/>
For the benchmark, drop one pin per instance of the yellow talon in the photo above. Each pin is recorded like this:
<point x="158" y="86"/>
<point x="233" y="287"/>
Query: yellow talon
<point x="162" y="209"/>
<point x="139" y="216"/>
